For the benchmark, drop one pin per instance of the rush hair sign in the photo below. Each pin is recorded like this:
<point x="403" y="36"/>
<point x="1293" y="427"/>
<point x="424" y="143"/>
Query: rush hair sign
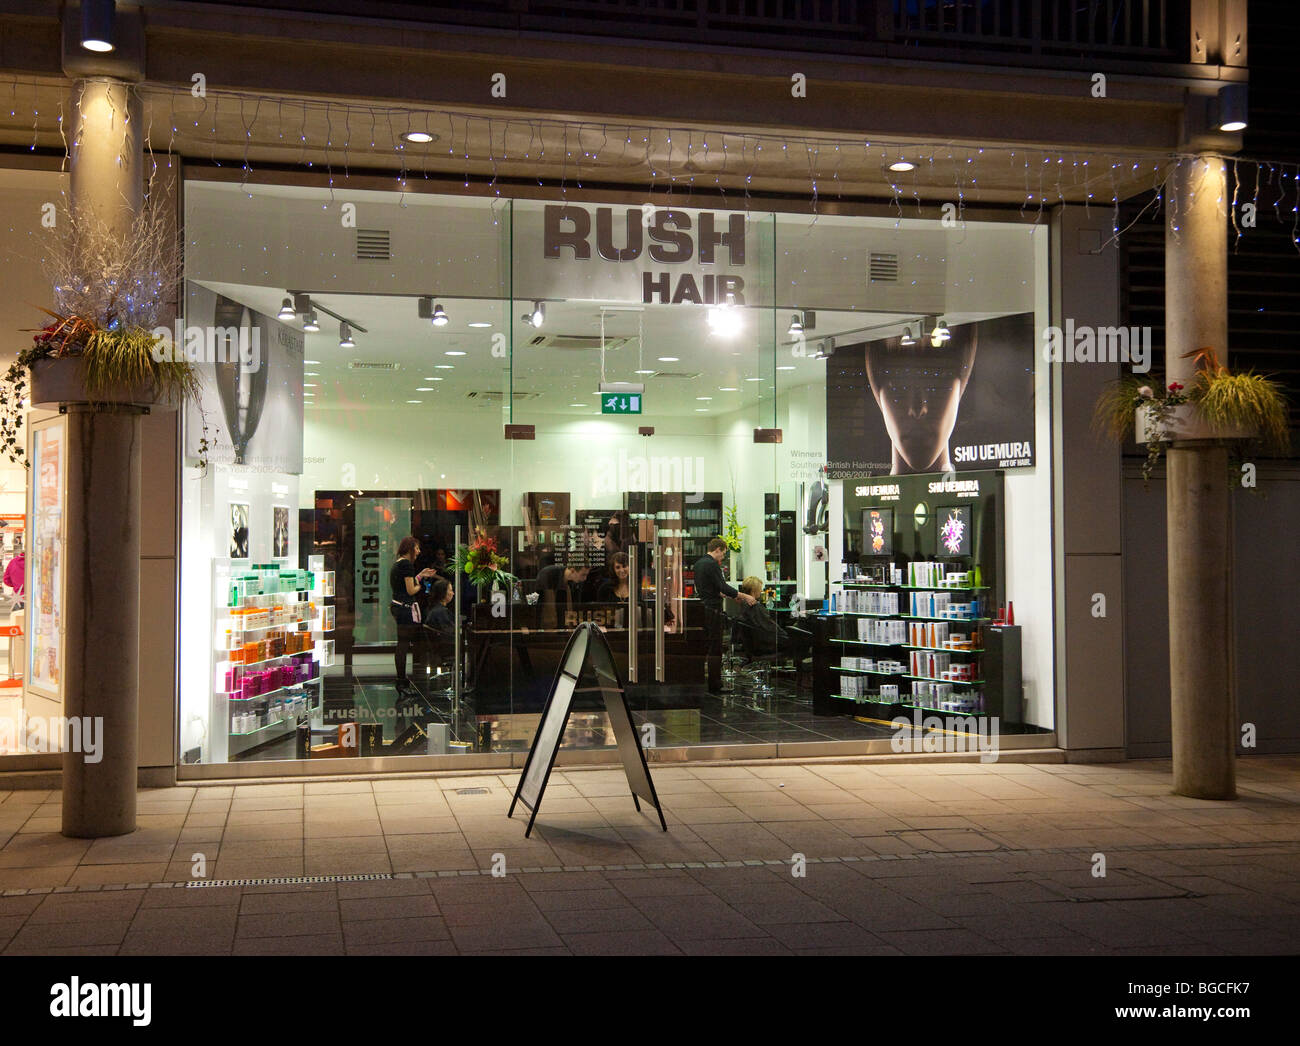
<point x="699" y="251"/>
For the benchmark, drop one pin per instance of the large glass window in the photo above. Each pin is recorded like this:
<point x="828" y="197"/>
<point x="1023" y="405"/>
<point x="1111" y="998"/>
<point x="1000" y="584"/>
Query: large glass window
<point x="580" y="398"/>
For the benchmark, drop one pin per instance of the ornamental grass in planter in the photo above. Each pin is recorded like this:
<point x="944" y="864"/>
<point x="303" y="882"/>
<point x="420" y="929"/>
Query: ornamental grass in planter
<point x="1244" y="407"/>
<point x="109" y="294"/>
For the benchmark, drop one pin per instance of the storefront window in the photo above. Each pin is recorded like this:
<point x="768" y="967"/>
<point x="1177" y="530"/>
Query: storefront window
<point x="582" y="397"/>
<point x="31" y="589"/>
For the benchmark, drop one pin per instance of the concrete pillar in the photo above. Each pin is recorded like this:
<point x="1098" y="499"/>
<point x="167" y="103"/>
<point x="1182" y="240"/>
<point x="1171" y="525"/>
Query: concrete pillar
<point x="102" y="617"/>
<point x="1197" y="505"/>
<point x="105" y="148"/>
<point x="103" y="502"/>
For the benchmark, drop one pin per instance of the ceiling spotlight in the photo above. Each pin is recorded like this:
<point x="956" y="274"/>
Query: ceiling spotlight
<point x="97" y="18"/>
<point x="427" y="309"/>
<point x="418" y="137"/>
<point x="1232" y="107"/>
<point x="345" y="336"/>
<point x="939" y="334"/>
<point x="908" y="337"/>
<point x="538" y="316"/>
<point x="309" y="323"/>
<point x="286" y="310"/>
<point x="902" y="166"/>
<point x="825" y="349"/>
<point x="796" y="325"/>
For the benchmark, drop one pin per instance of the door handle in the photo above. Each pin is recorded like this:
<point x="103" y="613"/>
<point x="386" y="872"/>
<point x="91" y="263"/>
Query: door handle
<point x="633" y="589"/>
<point x="659" y="613"/>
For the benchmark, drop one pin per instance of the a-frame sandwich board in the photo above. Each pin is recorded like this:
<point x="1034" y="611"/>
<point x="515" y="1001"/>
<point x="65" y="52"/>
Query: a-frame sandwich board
<point x="587" y="647"/>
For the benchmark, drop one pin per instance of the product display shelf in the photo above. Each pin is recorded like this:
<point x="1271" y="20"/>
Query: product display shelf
<point x="856" y="613"/>
<point x="863" y="584"/>
<point x="253" y="720"/>
<point x="864" y="642"/>
<point x="942" y="649"/>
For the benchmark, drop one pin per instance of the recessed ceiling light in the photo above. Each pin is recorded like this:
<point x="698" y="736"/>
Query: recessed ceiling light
<point x="309" y="385"/>
<point x="901" y="166"/>
<point x="418" y="137"/>
<point x="480" y="325"/>
<point x="453" y="352"/>
<point x="728" y="389"/>
<point x="424" y="388"/>
<point x="645" y="372"/>
<point x="444" y="366"/>
<point x="311" y="363"/>
<point x="704" y="397"/>
<point x="753" y="379"/>
<point x="311" y="374"/>
<point x="415" y="401"/>
<point x="669" y="359"/>
<point x="701" y="410"/>
<point x="785" y="368"/>
<point x="577" y="404"/>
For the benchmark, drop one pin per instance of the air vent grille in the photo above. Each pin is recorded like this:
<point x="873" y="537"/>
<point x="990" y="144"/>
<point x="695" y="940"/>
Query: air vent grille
<point x="688" y="375"/>
<point x="573" y="342"/>
<point x="373" y="365"/>
<point x="493" y="396"/>
<point x="373" y="245"/>
<point x="883" y="267"/>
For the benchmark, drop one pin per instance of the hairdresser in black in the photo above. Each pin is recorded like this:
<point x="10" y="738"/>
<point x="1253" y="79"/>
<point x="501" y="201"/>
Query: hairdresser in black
<point x="405" y="582"/>
<point x="711" y="588"/>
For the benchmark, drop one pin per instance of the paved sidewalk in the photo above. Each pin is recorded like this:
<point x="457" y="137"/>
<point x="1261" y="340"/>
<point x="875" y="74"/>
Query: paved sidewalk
<point x="901" y="859"/>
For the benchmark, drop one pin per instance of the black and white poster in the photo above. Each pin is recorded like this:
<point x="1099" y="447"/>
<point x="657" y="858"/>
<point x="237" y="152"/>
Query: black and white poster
<point x="968" y="403"/>
<point x="250" y="365"/>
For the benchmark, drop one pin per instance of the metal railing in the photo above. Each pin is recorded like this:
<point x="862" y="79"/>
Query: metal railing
<point x="1097" y="28"/>
<point x="1119" y="29"/>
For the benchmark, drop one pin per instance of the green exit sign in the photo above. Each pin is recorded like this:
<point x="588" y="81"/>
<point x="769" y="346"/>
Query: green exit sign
<point x="620" y="403"/>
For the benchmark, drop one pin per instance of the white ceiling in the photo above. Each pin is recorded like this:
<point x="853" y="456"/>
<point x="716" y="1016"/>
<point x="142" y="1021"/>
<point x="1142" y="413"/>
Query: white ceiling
<point x="733" y="372"/>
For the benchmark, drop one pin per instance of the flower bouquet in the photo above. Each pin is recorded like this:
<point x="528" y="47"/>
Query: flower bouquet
<point x="482" y="562"/>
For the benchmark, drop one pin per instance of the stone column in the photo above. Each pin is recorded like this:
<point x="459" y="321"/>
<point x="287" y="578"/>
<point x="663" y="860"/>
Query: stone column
<point x="102" y="560"/>
<point x="1203" y="700"/>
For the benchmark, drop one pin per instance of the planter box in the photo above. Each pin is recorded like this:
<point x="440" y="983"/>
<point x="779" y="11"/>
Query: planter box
<point x="1186" y="423"/>
<point x="59" y="382"/>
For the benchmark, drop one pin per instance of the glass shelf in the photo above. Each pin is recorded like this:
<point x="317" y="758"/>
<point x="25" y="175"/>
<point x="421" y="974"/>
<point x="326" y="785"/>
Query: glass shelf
<point x="865" y="642"/>
<point x="963" y="620"/>
<point x="955" y="682"/>
<point x="942" y="649"/>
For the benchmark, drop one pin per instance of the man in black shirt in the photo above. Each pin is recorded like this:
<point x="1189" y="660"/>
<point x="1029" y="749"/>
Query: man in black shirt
<point x="711" y="587"/>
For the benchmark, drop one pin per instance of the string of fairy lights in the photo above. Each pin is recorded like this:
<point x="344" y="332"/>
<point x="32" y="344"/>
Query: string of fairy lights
<point x="496" y="152"/>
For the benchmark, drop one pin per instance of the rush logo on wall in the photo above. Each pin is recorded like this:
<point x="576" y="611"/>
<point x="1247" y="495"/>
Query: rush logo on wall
<point x="895" y="409"/>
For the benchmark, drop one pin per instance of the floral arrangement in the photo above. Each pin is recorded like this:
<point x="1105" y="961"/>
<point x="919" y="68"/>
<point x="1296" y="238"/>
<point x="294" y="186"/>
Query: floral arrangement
<point x="1224" y="399"/>
<point x="109" y="293"/>
<point x="482" y="562"/>
<point x="733" y="533"/>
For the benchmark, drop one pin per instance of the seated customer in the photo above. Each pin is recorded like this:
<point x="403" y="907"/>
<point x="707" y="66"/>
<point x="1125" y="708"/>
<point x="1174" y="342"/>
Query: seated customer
<point x="441" y="617"/>
<point x="762" y="635"/>
<point x="614" y="587"/>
